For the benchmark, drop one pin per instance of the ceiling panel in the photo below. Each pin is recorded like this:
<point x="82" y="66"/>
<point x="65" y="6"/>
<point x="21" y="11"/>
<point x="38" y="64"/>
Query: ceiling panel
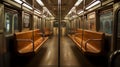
<point x="36" y="5"/>
<point x="103" y="0"/>
<point x="66" y="6"/>
<point x="29" y="1"/>
<point x="80" y="6"/>
<point x="87" y="2"/>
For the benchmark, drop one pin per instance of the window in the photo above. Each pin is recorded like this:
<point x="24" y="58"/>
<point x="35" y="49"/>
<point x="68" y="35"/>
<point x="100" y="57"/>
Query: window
<point x="56" y="24"/>
<point x="11" y="21"/>
<point x="91" y="21"/>
<point x="8" y="23"/>
<point x="63" y="24"/>
<point x="86" y="23"/>
<point x="15" y="18"/>
<point x="106" y="22"/>
<point x="39" y="23"/>
<point x="78" y="23"/>
<point x="26" y="22"/>
<point x="81" y="22"/>
<point x="35" y="22"/>
<point x="1" y="17"/>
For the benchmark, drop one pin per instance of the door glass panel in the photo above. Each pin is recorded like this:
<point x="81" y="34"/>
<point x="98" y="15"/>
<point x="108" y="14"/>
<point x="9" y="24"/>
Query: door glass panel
<point x="11" y="22"/>
<point x="118" y="31"/>
<point x="91" y="21"/>
<point x="8" y="25"/>
<point x="15" y="18"/>
<point x="26" y="22"/>
<point x="106" y="21"/>
<point x="35" y="22"/>
<point x="118" y="25"/>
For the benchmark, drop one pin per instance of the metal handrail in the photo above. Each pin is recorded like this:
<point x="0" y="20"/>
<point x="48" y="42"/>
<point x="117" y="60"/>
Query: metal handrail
<point x="87" y="41"/>
<point x="113" y="57"/>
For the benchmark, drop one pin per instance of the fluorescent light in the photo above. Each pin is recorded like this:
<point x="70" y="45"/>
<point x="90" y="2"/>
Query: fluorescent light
<point x="71" y="10"/>
<point x="93" y="4"/>
<point x="40" y="2"/>
<point x="78" y="2"/>
<point x="36" y="11"/>
<point x="80" y="12"/>
<point x="27" y="6"/>
<point x="18" y="1"/>
<point x="59" y="2"/>
<point x="44" y="8"/>
<point x="74" y="7"/>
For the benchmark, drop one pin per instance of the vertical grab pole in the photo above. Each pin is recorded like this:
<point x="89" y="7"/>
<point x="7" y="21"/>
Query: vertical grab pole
<point x="83" y="20"/>
<point x="59" y="19"/>
<point x="33" y="24"/>
<point x="113" y="56"/>
<point x="33" y="33"/>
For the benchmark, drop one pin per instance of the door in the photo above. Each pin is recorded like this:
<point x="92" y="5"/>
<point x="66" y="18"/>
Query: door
<point x="115" y="55"/>
<point x="118" y="32"/>
<point x="2" y="38"/>
<point x="63" y="28"/>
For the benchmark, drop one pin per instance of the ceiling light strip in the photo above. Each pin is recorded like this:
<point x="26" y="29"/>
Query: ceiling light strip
<point x="40" y="2"/>
<point x="78" y="2"/>
<point x="73" y="8"/>
<point x="47" y="10"/>
<point x="80" y="12"/>
<point x="18" y="1"/>
<point x="24" y="4"/>
<point x="36" y="11"/>
<point x="27" y="6"/>
<point x="93" y="4"/>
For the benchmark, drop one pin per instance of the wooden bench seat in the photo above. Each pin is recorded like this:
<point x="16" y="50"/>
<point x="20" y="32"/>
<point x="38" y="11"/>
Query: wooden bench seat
<point x="29" y="41"/>
<point x="93" y="42"/>
<point x="90" y="42"/>
<point x="78" y="37"/>
<point x="47" y="32"/>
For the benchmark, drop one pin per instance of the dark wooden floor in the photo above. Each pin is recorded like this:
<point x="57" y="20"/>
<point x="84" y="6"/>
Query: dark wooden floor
<point x="70" y="55"/>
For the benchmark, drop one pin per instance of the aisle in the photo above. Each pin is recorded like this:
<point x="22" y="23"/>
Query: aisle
<point x="70" y="55"/>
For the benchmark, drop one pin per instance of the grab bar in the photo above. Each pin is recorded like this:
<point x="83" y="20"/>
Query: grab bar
<point x="112" y="58"/>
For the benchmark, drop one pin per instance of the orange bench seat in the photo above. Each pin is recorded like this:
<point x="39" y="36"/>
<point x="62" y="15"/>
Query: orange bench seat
<point x="90" y="42"/>
<point x="29" y="41"/>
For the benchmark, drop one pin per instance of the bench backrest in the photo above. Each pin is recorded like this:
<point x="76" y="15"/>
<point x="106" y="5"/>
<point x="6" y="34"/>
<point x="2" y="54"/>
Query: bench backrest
<point x="37" y="34"/>
<point x="79" y="33"/>
<point x="99" y="36"/>
<point x="47" y="31"/>
<point x="23" y="35"/>
<point x="26" y="35"/>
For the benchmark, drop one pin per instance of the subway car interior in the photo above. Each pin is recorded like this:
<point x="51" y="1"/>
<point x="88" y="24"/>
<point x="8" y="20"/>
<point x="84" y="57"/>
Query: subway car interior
<point x="59" y="33"/>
